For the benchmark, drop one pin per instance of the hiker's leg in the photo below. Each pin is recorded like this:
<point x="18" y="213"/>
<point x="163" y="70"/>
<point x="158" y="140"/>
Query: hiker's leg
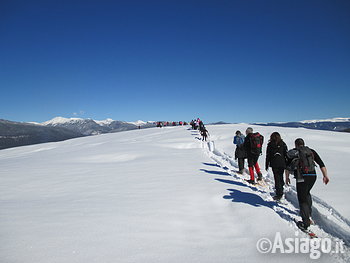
<point x="251" y="169"/>
<point x="278" y="176"/>
<point x="241" y="164"/>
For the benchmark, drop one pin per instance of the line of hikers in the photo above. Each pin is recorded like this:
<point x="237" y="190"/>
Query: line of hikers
<point x="199" y="125"/>
<point x="299" y="161"/>
<point x="161" y="124"/>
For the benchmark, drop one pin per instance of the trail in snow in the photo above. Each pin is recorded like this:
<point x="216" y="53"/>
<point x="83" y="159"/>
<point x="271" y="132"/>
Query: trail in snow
<point x="328" y="223"/>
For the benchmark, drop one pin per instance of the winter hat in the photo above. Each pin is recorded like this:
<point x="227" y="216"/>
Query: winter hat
<point x="249" y="130"/>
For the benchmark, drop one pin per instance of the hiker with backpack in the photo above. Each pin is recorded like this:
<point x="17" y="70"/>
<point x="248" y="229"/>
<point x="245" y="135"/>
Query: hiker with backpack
<point x="253" y="146"/>
<point x="301" y="162"/>
<point x="276" y="154"/>
<point x="240" y="152"/>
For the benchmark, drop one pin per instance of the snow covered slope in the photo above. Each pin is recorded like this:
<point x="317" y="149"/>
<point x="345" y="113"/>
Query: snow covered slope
<point x="153" y="195"/>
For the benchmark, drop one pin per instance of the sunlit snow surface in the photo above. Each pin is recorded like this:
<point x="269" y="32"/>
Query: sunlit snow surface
<point x="157" y="195"/>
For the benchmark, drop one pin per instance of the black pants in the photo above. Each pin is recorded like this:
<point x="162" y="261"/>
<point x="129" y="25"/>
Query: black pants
<point x="304" y="198"/>
<point x="279" y="182"/>
<point x="241" y="164"/>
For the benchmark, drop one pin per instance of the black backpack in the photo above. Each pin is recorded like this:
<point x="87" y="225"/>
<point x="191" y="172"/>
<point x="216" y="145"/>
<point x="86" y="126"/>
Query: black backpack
<point x="306" y="160"/>
<point x="256" y="142"/>
<point x="302" y="160"/>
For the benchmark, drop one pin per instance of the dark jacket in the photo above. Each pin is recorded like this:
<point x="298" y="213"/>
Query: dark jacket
<point x="240" y="152"/>
<point x="276" y="155"/>
<point x="248" y="147"/>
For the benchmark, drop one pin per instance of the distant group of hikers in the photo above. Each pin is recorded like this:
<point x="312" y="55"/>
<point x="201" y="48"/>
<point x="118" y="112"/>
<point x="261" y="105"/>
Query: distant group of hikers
<point x="161" y="124"/>
<point x="299" y="161"/>
<point x="197" y="124"/>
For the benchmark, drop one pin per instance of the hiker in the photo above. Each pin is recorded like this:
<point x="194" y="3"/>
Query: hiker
<point x="240" y="152"/>
<point x="195" y="125"/>
<point x="201" y="125"/>
<point x="276" y="154"/>
<point x="204" y="133"/>
<point x="192" y="124"/>
<point x="301" y="161"/>
<point x="253" y="146"/>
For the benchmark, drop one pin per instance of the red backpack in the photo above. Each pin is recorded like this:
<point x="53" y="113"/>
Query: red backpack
<point x="256" y="142"/>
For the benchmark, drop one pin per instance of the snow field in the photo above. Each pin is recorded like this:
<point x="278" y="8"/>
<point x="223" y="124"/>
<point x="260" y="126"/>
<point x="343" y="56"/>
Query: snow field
<point x="153" y="195"/>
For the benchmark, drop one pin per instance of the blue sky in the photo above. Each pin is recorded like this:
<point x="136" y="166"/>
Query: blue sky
<point x="236" y="61"/>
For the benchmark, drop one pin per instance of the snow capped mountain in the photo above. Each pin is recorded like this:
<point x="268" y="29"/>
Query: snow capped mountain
<point x="328" y="120"/>
<point x="141" y="123"/>
<point x="83" y="126"/>
<point x="109" y="122"/>
<point x="60" y="120"/>
<point x="138" y="123"/>
<point x="105" y="122"/>
<point x="94" y="127"/>
<point x="14" y="134"/>
<point x="335" y="124"/>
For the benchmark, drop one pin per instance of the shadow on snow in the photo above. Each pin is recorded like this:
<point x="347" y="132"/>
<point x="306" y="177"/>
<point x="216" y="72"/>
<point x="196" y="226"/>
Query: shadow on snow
<point x="253" y="199"/>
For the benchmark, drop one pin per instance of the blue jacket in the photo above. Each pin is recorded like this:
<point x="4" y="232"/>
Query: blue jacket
<point x="238" y="139"/>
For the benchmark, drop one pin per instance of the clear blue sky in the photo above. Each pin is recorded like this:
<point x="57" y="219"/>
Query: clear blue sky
<point x="234" y="60"/>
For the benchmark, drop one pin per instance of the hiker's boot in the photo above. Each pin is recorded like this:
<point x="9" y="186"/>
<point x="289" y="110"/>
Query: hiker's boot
<point x="277" y="197"/>
<point x="251" y="181"/>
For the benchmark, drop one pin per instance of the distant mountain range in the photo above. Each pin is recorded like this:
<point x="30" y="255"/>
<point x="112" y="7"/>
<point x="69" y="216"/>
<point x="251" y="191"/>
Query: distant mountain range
<point x="14" y="134"/>
<point x="218" y="123"/>
<point x="93" y="127"/>
<point x="336" y="124"/>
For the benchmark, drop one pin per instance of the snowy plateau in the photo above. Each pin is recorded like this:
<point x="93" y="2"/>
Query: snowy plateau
<point x="160" y="195"/>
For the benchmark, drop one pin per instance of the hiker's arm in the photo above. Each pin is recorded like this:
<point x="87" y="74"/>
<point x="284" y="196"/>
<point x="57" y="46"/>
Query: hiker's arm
<point x="318" y="159"/>
<point x="287" y="177"/>
<point x="323" y="168"/>
<point x="325" y="176"/>
<point x="267" y="160"/>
